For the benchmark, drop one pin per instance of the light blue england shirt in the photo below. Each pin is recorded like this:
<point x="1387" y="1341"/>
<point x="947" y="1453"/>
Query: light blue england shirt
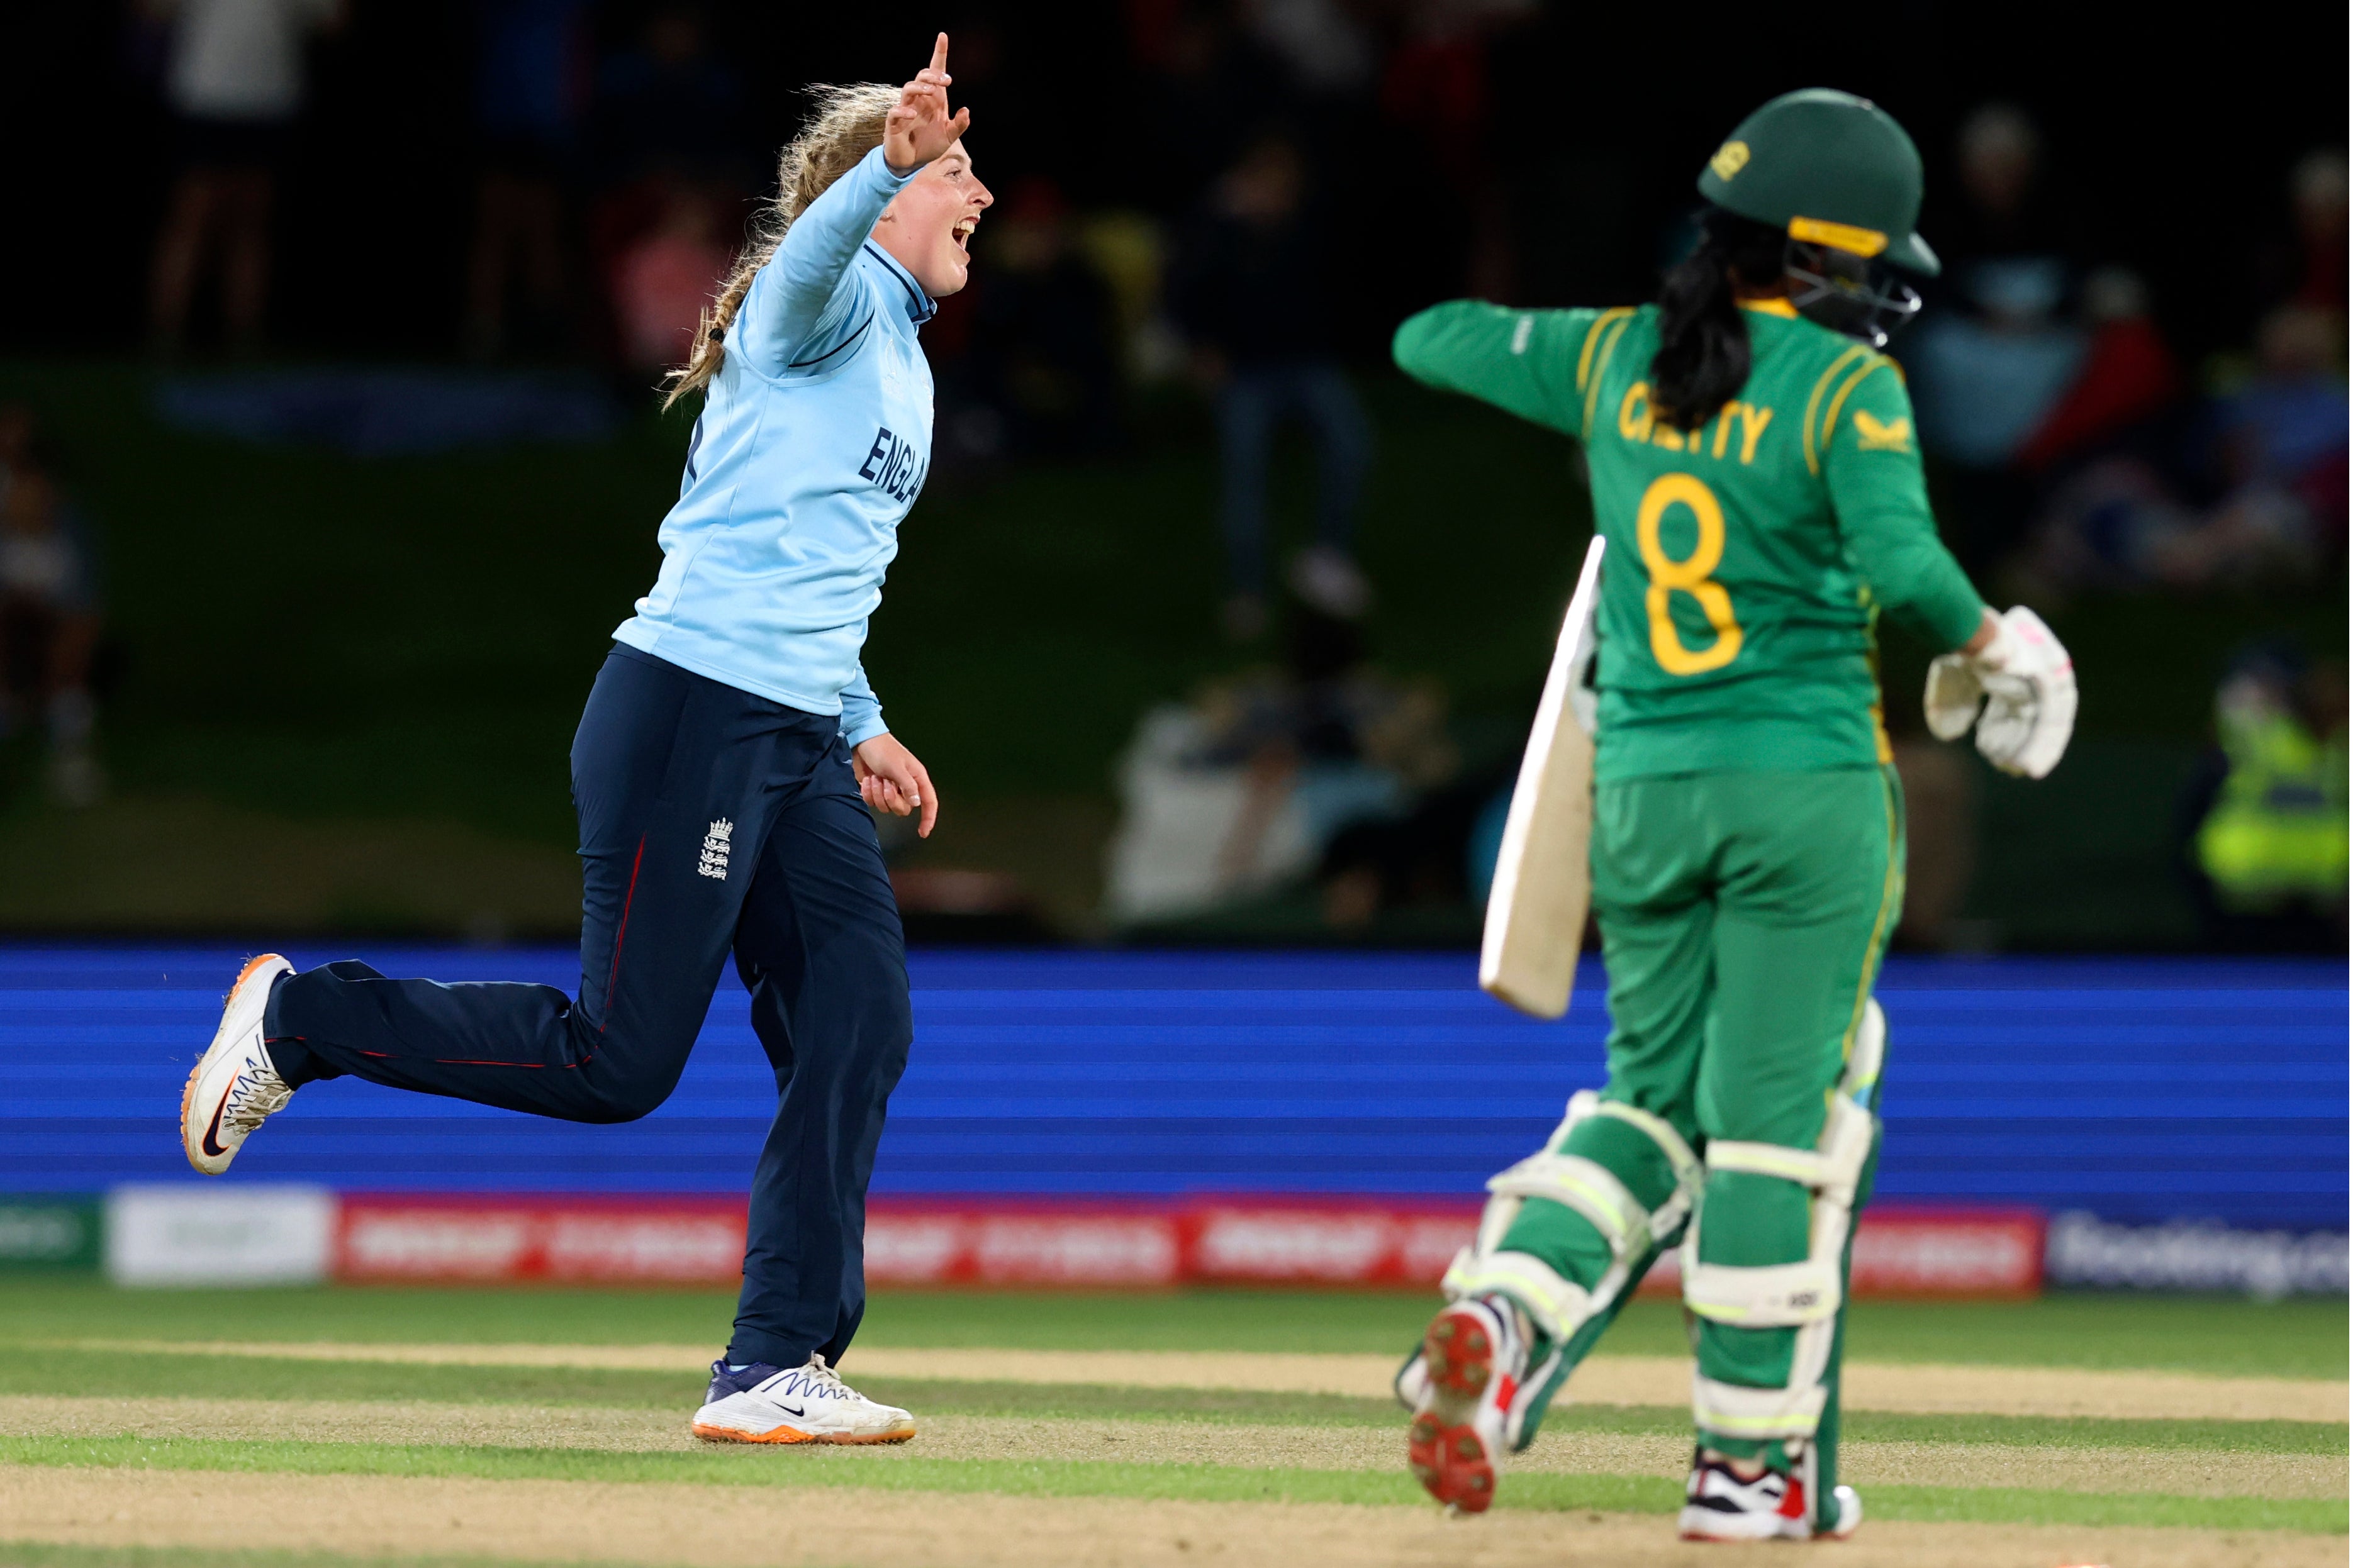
<point x="814" y="437"/>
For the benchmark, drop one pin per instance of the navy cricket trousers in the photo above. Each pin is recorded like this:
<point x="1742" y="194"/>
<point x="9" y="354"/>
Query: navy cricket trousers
<point x="711" y="821"/>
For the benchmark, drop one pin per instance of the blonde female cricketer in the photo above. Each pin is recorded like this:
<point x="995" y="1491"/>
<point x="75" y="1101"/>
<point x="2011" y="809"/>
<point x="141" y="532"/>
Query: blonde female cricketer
<point x="1755" y="471"/>
<point x="722" y="771"/>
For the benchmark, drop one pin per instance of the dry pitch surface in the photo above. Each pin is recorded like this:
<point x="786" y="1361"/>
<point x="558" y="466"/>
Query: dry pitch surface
<point x="573" y="1521"/>
<point x="116" y="1450"/>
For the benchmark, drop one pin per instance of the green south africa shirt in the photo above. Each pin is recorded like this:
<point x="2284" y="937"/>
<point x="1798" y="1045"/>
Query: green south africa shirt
<point x="1749" y="559"/>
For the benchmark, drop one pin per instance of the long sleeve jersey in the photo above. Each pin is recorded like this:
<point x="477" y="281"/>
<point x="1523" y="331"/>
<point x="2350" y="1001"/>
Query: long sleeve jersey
<point x="1748" y="560"/>
<point x="815" y="438"/>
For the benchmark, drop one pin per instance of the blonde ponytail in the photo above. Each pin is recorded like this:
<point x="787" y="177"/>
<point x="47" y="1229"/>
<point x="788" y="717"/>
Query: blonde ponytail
<point x="846" y="125"/>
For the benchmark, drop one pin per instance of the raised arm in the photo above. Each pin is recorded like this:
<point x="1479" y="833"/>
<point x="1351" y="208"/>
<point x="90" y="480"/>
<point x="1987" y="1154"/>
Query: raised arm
<point x="798" y="301"/>
<point x="805" y="294"/>
<point x="1527" y="362"/>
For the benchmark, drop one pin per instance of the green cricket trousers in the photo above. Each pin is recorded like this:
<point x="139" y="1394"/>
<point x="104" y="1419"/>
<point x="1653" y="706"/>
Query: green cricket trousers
<point x="1743" y="917"/>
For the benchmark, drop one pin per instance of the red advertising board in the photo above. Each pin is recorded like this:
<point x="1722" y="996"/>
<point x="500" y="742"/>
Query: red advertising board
<point x="912" y="1243"/>
<point x="950" y="1243"/>
<point x="1949" y="1252"/>
<point x="418" y="1237"/>
<point x="1274" y="1242"/>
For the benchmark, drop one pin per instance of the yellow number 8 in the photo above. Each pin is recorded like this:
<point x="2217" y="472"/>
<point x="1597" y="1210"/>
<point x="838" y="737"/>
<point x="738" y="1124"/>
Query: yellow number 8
<point x="1689" y="575"/>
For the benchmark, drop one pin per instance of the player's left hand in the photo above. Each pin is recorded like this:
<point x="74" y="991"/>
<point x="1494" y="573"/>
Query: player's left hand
<point x="2027" y="683"/>
<point x="919" y="127"/>
<point x="891" y="780"/>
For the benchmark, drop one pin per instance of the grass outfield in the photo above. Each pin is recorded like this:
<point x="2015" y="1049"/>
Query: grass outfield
<point x="453" y="1462"/>
<point x="2226" y="1335"/>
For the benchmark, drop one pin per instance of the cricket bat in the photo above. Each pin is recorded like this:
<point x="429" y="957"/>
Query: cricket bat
<point x="1535" y="908"/>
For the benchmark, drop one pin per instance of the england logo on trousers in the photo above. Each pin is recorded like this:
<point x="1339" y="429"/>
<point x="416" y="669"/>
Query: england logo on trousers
<point x="715" y="844"/>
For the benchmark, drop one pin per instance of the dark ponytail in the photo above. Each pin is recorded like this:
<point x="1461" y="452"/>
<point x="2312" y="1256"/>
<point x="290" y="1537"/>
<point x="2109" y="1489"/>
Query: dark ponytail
<point x="1702" y="356"/>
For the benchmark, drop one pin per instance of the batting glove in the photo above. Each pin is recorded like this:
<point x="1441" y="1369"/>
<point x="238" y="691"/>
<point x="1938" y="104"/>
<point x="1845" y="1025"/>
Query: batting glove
<point x="2026" y="685"/>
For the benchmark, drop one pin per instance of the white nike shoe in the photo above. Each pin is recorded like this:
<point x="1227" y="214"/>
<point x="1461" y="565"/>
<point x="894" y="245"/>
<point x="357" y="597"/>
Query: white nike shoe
<point x="234" y="1086"/>
<point x="1720" y="1505"/>
<point x="806" y="1405"/>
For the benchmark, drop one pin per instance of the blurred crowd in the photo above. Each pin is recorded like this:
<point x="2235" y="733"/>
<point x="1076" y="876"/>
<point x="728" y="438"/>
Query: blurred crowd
<point x="1323" y="771"/>
<point x="2079" y="441"/>
<point x="2077" y="450"/>
<point x="49" y="614"/>
<point x="616" y="147"/>
<point x="616" y="153"/>
<point x="609" y="169"/>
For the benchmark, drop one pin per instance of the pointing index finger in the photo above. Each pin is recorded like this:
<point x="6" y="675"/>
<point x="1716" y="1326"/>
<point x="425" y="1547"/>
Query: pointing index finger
<point x="940" y="53"/>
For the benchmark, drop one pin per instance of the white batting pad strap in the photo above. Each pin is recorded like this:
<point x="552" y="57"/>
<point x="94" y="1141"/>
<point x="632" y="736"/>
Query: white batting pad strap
<point x="1584" y="1185"/>
<point x="1496" y="1222"/>
<point x="1847" y="1135"/>
<point x="1669" y="1217"/>
<point x="1806" y="1167"/>
<point x="1671" y="1143"/>
<point x="1733" y="1411"/>
<point x="1832" y="1168"/>
<point x="1557" y="1305"/>
<point x="1868" y="1055"/>
<point x="1778" y="1295"/>
<point x="1581" y="1104"/>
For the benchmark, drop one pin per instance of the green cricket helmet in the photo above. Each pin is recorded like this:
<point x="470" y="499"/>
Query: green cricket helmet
<point x="1840" y="178"/>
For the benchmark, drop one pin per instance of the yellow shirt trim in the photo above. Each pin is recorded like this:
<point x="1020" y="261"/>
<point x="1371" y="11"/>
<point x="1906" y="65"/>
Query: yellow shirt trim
<point x="1770" y="308"/>
<point x="1830" y="421"/>
<point x="1838" y="367"/>
<point x="1592" y="336"/>
<point x="1601" y="367"/>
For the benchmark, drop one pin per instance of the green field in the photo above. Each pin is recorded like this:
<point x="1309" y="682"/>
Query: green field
<point x="2291" y="1338"/>
<point x="299" y="1401"/>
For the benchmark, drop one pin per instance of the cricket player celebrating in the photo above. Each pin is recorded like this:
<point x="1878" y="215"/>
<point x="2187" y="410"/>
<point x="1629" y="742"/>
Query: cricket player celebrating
<point x="1757" y="480"/>
<point x="719" y="771"/>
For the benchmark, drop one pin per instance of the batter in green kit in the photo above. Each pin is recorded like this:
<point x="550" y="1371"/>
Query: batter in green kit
<point x="1755" y="470"/>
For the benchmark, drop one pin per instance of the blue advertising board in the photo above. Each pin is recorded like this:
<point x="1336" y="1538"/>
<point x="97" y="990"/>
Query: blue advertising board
<point x="2137" y="1089"/>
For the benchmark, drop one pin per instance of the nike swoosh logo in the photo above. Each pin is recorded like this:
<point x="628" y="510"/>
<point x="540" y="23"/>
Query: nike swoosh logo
<point x="788" y="1409"/>
<point x="211" y="1141"/>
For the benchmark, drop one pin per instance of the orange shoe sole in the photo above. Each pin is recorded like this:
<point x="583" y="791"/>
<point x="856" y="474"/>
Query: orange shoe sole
<point x="788" y="1435"/>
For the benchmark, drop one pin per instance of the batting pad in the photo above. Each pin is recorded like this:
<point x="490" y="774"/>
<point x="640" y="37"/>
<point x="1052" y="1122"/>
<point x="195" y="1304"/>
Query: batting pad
<point x="1804" y="1296"/>
<point x="1590" y="1166"/>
